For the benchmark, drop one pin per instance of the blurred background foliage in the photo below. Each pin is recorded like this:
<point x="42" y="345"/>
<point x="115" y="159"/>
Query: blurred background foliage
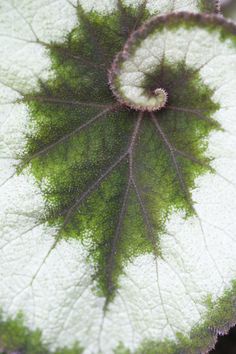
<point x="226" y="344"/>
<point x="229" y="10"/>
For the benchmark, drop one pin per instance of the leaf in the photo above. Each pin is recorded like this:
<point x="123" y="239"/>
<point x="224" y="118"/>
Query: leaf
<point x="17" y="339"/>
<point x="118" y="222"/>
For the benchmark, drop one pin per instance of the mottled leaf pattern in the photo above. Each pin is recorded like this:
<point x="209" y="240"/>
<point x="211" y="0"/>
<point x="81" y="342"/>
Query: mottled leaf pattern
<point x="117" y="219"/>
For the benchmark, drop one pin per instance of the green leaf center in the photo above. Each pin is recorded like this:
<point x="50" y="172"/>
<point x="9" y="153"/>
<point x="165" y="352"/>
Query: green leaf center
<point x="111" y="176"/>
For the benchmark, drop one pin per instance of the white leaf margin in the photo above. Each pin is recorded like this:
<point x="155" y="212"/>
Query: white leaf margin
<point x="52" y="286"/>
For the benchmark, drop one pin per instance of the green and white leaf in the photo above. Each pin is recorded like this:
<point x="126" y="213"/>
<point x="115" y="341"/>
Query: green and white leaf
<point x="147" y="262"/>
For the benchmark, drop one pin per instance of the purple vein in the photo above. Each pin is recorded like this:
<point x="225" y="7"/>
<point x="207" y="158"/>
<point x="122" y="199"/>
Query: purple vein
<point x="135" y="187"/>
<point x="130" y="151"/>
<point x="70" y="212"/>
<point x="145" y="217"/>
<point x="172" y="153"/>
<point x="69" y="54"/>
<point x="110" y="262"/>
<point x="70" y="135"/>
<point x="141" y="13"/>
<point x="193" y="159"/>
<point x="196" y="112"/>
<point x="66" y="102"/>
